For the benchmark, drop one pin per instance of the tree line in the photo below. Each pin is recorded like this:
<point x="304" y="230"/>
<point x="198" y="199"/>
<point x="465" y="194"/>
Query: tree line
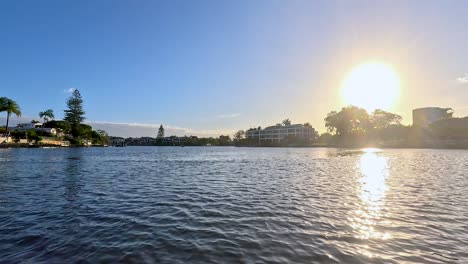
<point x="71" y="127"/>
<point x="353" y="126"/>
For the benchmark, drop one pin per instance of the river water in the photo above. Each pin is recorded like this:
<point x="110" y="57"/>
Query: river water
<point x="233" y="205"/>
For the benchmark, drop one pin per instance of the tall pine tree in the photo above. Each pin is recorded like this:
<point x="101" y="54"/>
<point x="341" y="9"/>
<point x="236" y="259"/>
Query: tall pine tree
<point x="75" y="114"/>
<point x="161" y="131"/>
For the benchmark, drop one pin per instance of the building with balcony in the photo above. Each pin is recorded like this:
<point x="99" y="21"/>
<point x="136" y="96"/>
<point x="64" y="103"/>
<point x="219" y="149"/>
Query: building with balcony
<point x="280" y="133"/>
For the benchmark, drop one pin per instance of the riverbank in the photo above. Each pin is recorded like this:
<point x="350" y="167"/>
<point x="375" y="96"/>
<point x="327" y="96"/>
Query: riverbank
<point x="414" y="146"/>
<point x="27" y="145"/>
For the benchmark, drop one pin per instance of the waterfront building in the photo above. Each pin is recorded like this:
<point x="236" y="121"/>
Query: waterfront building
<point x="423" y="117"/>
<point x="27" y="126"/>
<point x="36" y="126"/>
<point x="280" y="133"/>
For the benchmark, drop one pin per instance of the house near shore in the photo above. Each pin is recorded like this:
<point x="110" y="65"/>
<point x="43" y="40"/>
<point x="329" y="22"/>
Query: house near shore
<point x="38" y="127"/>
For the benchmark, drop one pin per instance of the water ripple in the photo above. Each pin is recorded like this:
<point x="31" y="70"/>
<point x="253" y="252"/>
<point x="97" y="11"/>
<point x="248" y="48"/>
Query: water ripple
<point x="233" y="205"/>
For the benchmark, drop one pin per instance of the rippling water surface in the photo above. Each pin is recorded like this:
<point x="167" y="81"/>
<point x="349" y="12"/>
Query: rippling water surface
<point x="233" y="205"/>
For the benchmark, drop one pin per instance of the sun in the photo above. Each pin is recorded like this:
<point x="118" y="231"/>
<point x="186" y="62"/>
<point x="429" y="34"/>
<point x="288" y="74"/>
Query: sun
<point x="371" y="86"/>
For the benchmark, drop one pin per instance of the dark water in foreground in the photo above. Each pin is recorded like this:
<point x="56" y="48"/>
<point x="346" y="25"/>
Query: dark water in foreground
<point x="233" y="205"/>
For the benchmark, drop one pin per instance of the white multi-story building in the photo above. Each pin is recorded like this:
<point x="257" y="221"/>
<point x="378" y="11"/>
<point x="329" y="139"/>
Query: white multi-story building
<point x="35" y="126"/>
<point x="279" y="133"/>
<point x="27" y="126"/>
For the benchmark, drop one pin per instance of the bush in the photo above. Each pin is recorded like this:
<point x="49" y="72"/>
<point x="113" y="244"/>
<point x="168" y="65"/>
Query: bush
<point x="32" y="136"/>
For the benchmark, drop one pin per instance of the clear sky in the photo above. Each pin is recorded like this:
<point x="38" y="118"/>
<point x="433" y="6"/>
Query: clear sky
<point x="218" y="66"/>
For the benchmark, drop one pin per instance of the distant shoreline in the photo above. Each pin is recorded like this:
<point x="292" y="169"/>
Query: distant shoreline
<point x="463" y="147"/>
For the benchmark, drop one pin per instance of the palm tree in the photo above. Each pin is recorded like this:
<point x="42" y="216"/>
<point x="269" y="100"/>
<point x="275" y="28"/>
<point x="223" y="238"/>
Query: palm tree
<point x="49" y="113"/>
<point x="11" y="107"/>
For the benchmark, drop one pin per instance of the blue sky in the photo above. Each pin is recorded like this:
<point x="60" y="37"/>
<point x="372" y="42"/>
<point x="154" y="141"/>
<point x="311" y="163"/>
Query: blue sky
<point x="209" y="67"/>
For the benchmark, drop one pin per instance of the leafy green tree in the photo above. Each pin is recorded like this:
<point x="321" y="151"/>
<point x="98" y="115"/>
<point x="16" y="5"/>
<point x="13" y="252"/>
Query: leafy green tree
<point x="75" y="113"/>
<point x="104" y="137"/>
<point x="10" y="107"/>
<point x="160" y="132"/>
<point x="32" y="136"/>
<point x="85" y="131"/>
<point x="98" y="137"/>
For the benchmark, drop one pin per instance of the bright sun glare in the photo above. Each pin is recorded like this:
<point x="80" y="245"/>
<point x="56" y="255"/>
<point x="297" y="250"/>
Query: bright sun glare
<point x="371" y="86"/>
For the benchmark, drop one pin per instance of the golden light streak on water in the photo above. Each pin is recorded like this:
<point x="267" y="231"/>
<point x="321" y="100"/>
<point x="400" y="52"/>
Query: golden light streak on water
<point x="373" y="171"/>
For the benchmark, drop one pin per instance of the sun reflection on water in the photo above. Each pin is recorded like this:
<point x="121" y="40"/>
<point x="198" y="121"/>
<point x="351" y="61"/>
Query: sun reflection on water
<point x="373" y="171"/>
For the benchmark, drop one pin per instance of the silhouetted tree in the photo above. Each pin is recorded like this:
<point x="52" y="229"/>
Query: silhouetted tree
<point x="160" y="132"/>
<point x="224" y="140"/>
<point x="349" y="119"/>
<point x="380" y="119"/>
<point x="239" y="135"/>
<point x="286" y="122"/>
